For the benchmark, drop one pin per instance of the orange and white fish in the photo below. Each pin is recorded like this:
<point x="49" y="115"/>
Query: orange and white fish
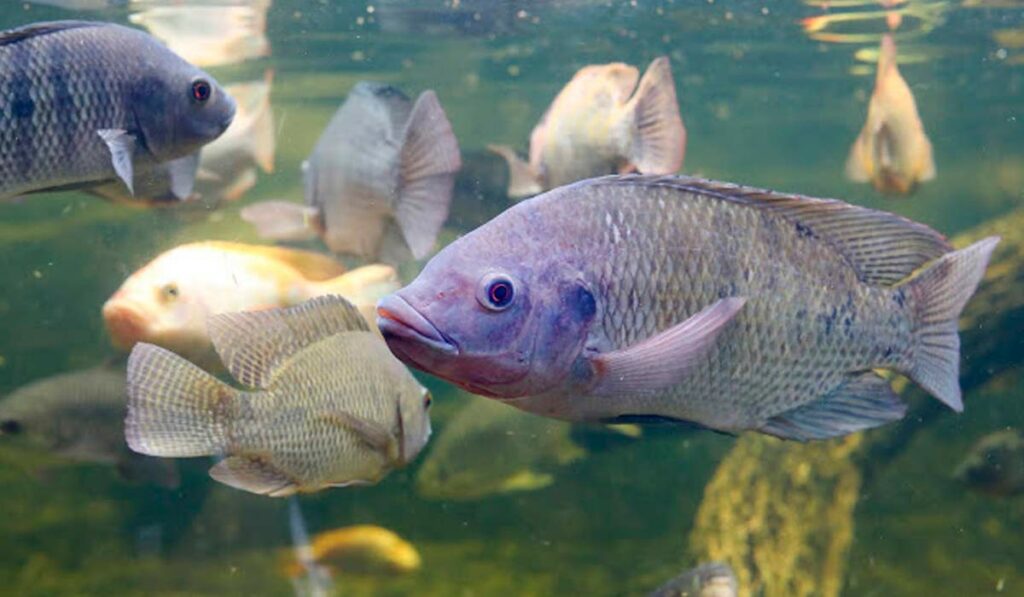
<point x="602" y="122"/>
<point x="168" y="301"/>
<point x="892" y="151"/>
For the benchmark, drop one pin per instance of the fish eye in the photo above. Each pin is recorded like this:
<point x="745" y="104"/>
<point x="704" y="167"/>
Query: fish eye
<point x="201" y="90"/>
<point x="427" y="400"/>
<point x="10" y="427"/>
<point x="169" y="292"/>
<point x="496" y="292"/>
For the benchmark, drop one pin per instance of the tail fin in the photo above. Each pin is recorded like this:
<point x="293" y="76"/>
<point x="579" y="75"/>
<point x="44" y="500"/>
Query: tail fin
<point x="174" y="407"/>
<point x="282" y="220"/>
<point x="430" y="158"/>
<point x="363" y="287"/>
<point x="522" y="180"/>
<point x="659" y="137"/>
<point x="939" y="294"/>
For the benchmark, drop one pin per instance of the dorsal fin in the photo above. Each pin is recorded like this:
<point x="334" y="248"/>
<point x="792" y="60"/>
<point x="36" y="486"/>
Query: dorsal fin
<point x="881" y="247"/>
<point x="313" y="266"/>
<point x="13" y="36"/>
<point x="253" y="345"/>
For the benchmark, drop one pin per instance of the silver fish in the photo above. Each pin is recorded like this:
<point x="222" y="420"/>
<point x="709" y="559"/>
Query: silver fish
<point x="379" y="181"/>
<point x="87" y="103"/>
<point x="329" y="405"/>
<point x="635" y="298"/>
<point x="79" y="416"/>
<point x="707" y="580"/>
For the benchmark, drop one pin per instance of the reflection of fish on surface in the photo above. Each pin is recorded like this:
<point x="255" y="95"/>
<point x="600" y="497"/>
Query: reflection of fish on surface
<point x="462" y="465"/>
<point x="995" y="464"/>
<point x="167" y="301"/>
<point x="359" y="549"/>
<point x="740" y="332"/>
<point x="329" y="405"/>
<point x="226" y="168"/>
<point x="82" y="110"/>
<point x="892" y="151"/>
<point x="210" y="35"/>
<point x="379" y="181"/>
<point x="78" y="416"/>
<point x="603" y="122"/>
<point x="714" y="579"/>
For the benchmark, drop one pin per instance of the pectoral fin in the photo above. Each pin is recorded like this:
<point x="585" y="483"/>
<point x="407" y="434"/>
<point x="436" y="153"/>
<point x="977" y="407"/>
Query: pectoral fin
<point x="373" y="434"/>
<point x="664" y="359"/>
<point x="122" y="148"/>
<point x="182" y="173"/>
<point x="255" y="475"/>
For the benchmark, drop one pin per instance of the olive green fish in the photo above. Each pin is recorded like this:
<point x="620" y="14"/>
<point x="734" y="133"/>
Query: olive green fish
<point x="329" y="406"/>
<point x="995" y="464"/>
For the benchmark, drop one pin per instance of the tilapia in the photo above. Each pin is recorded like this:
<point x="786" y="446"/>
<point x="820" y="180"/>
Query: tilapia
<point x="379" y="181"/>
<point x="360" y="549"/>
<point x="325" y="405"/>
<point x="995" y="464"/>
<point x="461" y="464"/>
<point x="602" y="122"/>
<point x="213" y="35"/>
<point x="167" y="302"/>
<point x="707" y="580"/>
<point x="88" y="103"/>
<point x="892" y="151"/>
<point x="225" y="169"/>
<point x="78" y="417"/>
<point x="641" y="298"/>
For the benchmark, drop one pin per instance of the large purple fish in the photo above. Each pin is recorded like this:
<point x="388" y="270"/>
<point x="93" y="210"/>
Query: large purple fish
<point x="734" y="308"/>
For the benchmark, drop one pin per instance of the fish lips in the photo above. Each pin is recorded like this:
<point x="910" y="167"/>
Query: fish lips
<point x="407" y="331"/>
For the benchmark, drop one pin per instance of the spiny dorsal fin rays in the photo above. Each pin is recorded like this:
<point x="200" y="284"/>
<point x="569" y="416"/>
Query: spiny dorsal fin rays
<point x="254" y="345"/>
<point x="883" y="248"/>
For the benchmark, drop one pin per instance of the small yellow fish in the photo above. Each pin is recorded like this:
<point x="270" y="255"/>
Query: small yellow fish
<point x="892" y="151"/>
<point x="602" y="122"/>
<point x="329" y="405"/>
<point x="168" y="301"/>
<point x="361" y="549"/>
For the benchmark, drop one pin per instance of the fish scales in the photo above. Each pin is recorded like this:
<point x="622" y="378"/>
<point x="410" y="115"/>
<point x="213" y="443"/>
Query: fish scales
<point x="51" y="107"/>
<point x="667" y="255"/>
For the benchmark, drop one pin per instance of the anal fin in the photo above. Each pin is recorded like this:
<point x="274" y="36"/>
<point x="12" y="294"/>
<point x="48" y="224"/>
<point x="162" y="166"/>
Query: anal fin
<point x="862" y="401"/>
<point x="255" y="475"/>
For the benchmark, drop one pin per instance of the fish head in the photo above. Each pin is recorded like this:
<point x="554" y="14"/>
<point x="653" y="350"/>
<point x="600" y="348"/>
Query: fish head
<point x="22" y="428"/>
<point x="180" y="109"/>
<point x="482" y="317"/>
<point x="414" y="411"/>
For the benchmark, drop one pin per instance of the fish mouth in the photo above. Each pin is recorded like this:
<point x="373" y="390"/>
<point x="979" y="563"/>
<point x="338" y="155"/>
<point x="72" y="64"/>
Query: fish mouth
<point x="125" y="323"/>
<point x="396" y="318"/>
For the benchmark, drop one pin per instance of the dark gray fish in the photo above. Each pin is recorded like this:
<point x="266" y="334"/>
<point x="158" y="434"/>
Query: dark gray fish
<point x="995" y="465"/>
<point x="79" y="416"/>
<point x="638" y="297"/>
<point x="379" y="181"/>
<point x="714" y="579"/>
<point x="82" y="103"/>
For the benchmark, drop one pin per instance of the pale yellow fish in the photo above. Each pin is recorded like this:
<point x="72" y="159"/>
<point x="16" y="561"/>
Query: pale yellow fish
<point x="210" y="35"/>
<point x="168" y="301"/>
<point x="325" y="405"/>
<point x="892" y="151"/>
<point x="603" y="122"/>
<point x="360" y="549"/>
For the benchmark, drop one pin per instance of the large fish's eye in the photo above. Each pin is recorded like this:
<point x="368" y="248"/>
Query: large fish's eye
<point x="10" y="427"/>
<point x="169" y="292"/>
<point x="201" y="90"/>
<point x="496" y="292"/>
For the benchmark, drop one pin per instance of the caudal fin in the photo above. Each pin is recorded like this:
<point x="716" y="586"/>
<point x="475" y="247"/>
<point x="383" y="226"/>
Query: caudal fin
<point x="522" y="180"/>
<point x="174" y="407"/>
<point x="658" y="136"/>
<point x="282" y="220"/>
<point x="939" y="294"/>
<point x="430" y="158"/>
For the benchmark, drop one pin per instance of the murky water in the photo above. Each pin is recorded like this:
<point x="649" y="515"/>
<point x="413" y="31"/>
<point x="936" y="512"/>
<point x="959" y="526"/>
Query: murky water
<point x="768" y="100"/>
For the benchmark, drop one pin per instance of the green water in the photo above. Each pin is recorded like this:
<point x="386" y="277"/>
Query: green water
<point x="763" y="105"/>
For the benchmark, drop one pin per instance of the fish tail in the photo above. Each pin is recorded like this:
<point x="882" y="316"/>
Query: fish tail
<point x="938" y="295"/>
<point x="522" y="180"/>
<point x="175" y="408"/>
<point x="429" y="160"/>
<point x="658" y="141"/>
<point x="363" y="287"/>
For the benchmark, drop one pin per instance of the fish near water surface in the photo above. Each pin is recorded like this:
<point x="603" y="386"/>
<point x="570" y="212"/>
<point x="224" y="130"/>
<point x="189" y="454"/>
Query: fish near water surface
<point x="639" y="297"/>
<point x="88" y="103"/>
<point x="327" y="405"/>
<point x="892" y="152"/>
<point x="78" y="416"/>
<point x="215" y="35"/>
<point x="168" y="301"/>
<point x="379" y="181"/>
<point x="603" y="122"/>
